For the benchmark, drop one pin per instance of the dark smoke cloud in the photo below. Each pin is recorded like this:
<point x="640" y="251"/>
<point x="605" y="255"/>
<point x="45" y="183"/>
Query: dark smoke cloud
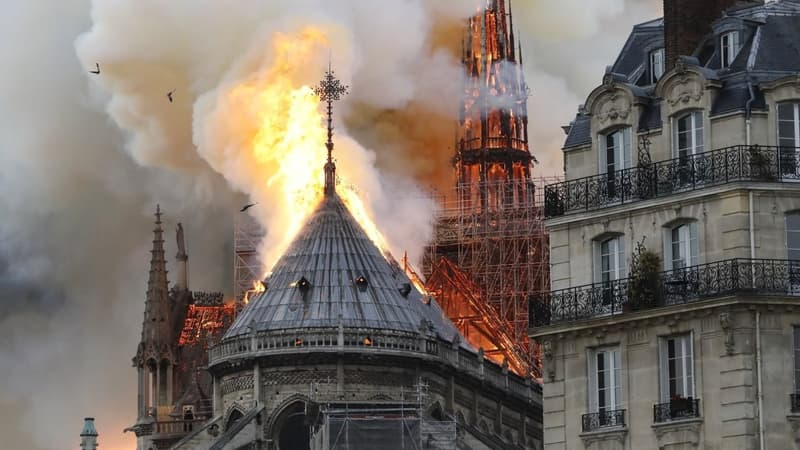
<point x="82" y="164"/>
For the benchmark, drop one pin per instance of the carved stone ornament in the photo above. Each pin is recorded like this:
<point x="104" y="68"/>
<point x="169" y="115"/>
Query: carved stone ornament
<point x="686" y="89"/>
<point x="213" y="430"/>
<point x="614" y="107"/>
<point x="549" y="362"/>
<point x="678" y="434"/>
<point x="605" y="440"/>
<point x="726" y="323"/>
<point x="794" y="422"/>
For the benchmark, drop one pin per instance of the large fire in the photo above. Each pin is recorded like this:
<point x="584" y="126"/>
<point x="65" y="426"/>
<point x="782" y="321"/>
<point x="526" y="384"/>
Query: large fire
<point x="282" y="122"/>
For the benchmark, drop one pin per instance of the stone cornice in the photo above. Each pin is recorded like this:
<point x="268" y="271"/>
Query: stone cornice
<point x="631" y="209"/>
<point x="667" y="315"/>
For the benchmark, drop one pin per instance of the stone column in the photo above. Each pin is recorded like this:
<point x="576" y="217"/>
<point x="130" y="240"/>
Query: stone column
<point x="169" y="384"/>
<point x="217" y="397"/>
<point x="257" y="382"/>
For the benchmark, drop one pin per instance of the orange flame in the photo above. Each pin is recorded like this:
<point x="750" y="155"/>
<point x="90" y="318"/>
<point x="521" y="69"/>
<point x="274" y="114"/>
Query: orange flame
<point x="258" y="287"/>
<point x="287" y="138"/>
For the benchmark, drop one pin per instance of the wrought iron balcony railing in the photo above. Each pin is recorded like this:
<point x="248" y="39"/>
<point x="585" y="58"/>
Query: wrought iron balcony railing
<point x="676" y="409"/>
<point x="603" y="419"/>
<point x="751" y="276"/>
<point x="795" y="403"/>
<point x="660" y="179"/>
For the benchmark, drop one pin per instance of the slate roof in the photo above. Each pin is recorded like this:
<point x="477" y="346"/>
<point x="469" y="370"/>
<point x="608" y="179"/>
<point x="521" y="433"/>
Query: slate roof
<point x="315" y="283"/>
<point x="768" y="54"/>
<point x="579" y="132"/>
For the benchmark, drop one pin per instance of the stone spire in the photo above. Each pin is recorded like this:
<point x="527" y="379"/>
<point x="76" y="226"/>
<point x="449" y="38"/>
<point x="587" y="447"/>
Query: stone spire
<point x="330" y="89"/>
<point x="157" y="303"/>
<point x="88" y="435"/>
<point x="183" y="258"/>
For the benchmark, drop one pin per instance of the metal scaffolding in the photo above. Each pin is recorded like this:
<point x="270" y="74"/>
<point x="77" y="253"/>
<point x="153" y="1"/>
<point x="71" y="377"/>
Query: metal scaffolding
<point x="247" y="268"/>
<point x="494" y="235"/>
<point x="347" y="421"/>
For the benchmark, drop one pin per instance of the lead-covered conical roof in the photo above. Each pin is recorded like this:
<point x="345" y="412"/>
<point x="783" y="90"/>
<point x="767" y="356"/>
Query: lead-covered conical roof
<point x="333" y="273"/>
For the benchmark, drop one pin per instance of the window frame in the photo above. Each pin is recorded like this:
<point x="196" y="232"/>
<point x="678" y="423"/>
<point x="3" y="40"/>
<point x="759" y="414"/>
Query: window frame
<point x="795" y="105"/>
<point x="653" y="63"/>
<point x="688" y="244"/>
<point x="616" y="397"/>
<point x="796" y="353"/>
<point x="729" y="47"/>
<point x="623" y="157"/>
<point x="618" y="257"/>
<point x="688" y="376"/>
<point x="695" y="133"/>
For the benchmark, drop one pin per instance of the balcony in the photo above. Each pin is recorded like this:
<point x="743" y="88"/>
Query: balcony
<point x="754" y="277"/>
<point x="604" y="419"/>
<point x="673" y="176"/>
<point x="794" y="400"/>
<point x="676" y="409"/>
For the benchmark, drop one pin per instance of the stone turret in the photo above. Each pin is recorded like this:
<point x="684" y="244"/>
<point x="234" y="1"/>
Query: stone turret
<point x="155" y="357"/>
<point x="88" y="435"/>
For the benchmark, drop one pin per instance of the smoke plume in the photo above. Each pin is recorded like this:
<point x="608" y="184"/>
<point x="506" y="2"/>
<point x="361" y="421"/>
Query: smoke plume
<point x="84" y="158"/>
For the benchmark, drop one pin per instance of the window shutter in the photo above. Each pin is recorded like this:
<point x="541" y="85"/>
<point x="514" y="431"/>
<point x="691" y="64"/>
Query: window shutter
<point x="667" y="247"/>
<point x="698" y="144"/>
<point x="663" y="372"/>
<point x="601" y="150"/>
<point x="694" y="245"/>
<point x="591" y="388"/>
<point x="626" y="149"/>
<point x="597" y="262"/>
<point x="622" y="269"/>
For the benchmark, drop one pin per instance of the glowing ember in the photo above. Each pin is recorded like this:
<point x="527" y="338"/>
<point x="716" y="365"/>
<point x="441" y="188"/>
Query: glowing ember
<point x="283" y="122"/>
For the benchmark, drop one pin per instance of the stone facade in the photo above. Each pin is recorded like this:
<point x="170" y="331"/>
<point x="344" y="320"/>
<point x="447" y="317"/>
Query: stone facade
<point x="697" y="353"/>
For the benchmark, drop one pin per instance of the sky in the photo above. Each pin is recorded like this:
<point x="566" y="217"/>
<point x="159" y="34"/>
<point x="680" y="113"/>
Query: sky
<point x="84" y="159"/>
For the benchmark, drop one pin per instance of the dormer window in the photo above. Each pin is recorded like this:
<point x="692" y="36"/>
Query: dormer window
<point x="656" y="65"/>
<point x="729" y="47"/>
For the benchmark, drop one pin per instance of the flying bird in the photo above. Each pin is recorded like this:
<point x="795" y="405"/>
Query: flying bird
<point x="169" y="95"/>
<point x="247" y="206"/>
<point x="96" y="71"/>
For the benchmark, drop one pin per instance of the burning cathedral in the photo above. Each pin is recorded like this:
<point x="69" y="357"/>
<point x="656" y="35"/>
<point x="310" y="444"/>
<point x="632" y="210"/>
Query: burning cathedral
<point x="341" y="348"/>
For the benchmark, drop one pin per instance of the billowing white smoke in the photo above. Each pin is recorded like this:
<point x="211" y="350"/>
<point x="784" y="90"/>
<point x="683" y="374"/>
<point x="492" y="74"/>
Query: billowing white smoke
<point x="83" y="163"/>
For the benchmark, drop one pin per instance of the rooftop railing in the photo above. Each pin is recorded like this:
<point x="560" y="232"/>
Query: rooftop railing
<point x="755" y="277"/>
<point x="672" y="176"/>
<point x="371" y="341"/>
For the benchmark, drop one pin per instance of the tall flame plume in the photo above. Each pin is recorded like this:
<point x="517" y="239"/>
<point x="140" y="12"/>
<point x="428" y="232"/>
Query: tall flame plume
<point x="280" y="121"/>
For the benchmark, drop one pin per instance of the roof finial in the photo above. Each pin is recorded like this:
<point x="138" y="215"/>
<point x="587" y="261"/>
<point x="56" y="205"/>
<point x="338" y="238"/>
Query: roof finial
<point x="330" y="90"/>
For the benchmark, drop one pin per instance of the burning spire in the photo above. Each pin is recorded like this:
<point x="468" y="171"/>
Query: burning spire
<point x="491" y="136"/>
<point x="330" y="89"/>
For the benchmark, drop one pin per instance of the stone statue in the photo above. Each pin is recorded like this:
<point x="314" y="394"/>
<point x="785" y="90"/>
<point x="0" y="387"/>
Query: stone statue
<point x="181" y="245"/>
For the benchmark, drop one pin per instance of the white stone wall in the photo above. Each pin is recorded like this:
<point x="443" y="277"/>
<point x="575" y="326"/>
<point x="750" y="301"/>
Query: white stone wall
<point x="726" y="383"/>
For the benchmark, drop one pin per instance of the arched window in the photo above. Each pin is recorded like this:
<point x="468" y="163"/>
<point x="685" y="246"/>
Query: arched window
<point x="681" y="248"/>
<point x="610" y="259"/>
<point x="615" y="150"/>
<point x="793" y="236"/>
<point x="789" y="137"/>
<point x="793" y="249"/>
<point x="615" y="155"/>
<point x="688" y="134"/>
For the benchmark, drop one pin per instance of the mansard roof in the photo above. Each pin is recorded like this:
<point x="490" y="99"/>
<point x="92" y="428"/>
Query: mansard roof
<point x="770" y="51"/>
<point x="334" y="274"/>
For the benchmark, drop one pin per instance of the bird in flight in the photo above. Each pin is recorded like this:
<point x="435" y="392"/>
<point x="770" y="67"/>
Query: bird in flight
<point x="247" y="206"/>
<point x="96" y="71"/>
<point x="169" y="95"/>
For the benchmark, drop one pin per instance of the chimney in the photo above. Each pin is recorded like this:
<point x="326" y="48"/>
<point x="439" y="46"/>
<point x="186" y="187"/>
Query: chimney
<point x="88" y="435"/>
<point x="688" y="22"/>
